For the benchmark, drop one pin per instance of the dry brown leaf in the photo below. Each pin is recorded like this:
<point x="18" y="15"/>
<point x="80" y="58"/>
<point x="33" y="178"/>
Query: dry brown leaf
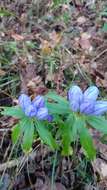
<point x="85" y="42"/>
<point x="17" y="37"/>
<point x="100" y="166"/>
<point x="59" y="186"/>
<point x="78" y="2"/>
<point x="81" y="20"/>
<point x="45" y="47"/>
<point x="48" y="46"/>
<point x="55" y="38"/>
<point x="2" y="72"/>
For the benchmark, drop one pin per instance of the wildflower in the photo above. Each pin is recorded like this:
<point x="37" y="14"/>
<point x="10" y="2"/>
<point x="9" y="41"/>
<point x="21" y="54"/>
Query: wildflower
<point x="86" y="102"/>
<point x="35" y="108"/>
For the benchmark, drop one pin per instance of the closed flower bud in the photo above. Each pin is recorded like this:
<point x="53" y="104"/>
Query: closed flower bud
<point x="75" y="97"/>
<point x="91" y="93"/>
<point x="24" y="101"/>
<point x="38" y="102"/>
<point x="87" y="107"/>
<point x="42" y="113"/>
<point x="100" y="107"/>
<point x="86" y="102"/>
<point x="30" y="111"/>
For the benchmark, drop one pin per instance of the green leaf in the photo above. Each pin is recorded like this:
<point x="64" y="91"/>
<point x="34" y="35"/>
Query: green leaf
<point x="55" y="108"/>
<point x="28" y="136"/>
<point x="15" y="111"/>
<point x="104" y="14"/>
<point x="66" y="134"/>
<point x="87" y="143"/>
<point x="57" y="98"/>
<point x="16" y="132"/>
<point x="104" y="29"/>
<point x="98" y="123"/>
<point x="4" y="12"/>
<point x="59" y="104"/>
<point x="86" y="139"/>
<point x="74" y="127"/>
<point x="58" y="2"/>
<point x="23" y="124"/>
<point x="45" y="135"/>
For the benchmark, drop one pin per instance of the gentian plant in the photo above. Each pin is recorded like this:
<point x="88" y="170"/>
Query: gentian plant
<point x="79" y="113"/>
<point x="33" y="122"/>
<point x="68" y="120"/>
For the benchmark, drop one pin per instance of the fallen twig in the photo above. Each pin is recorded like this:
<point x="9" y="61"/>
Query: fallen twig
<point x="16" y="162"/>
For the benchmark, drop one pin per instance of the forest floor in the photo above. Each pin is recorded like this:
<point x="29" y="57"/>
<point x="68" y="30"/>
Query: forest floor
<point x="43" y="46"/>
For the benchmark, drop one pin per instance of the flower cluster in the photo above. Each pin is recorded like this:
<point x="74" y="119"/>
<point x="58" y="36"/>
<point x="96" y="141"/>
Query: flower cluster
<point x="35" y="108"/>
<point x="86" y="102"/>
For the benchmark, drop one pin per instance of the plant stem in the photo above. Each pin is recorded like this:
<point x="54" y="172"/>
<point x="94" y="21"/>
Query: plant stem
<point x="53" y="171"/>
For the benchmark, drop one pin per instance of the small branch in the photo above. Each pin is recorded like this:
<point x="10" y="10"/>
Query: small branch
<point x="99" y="55"/>
<point x="16" y="162"/>
<point x="5" y="129"/>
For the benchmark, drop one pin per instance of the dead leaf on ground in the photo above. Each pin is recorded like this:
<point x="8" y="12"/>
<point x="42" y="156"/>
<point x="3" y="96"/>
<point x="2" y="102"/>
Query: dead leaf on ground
<point x="17" y="37"/>
<point x="100" y="166"/>
<point x="45" y="47"/>
<point x="81" y="20"/>
<point x="85" y="42"/>
<point x="55" y="38"/>
<point x="46" y="185"/>
<point x="2" y="72"/>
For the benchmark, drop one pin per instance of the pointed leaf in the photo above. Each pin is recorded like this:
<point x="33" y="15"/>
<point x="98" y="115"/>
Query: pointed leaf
<point x="73" y="123"/>
<point x="66" y="140"/>
<point x="23" y="124"/>
<point x="55" y="108"/>
<point x="98" y="123"/>
<point x="86" y="139"/>
<point x="16" y="132"/>
<point x="57" y="98"/>
<point x="15" y="111"/>
<point x="87" y="143"/>
<point x="66" y="133"/>
<point x="59" y="104"/>
<point x="104" y="29"/>
<point x="5" y="12"/>
<point x="28" y="136"/>
<point x="45" y="135"/>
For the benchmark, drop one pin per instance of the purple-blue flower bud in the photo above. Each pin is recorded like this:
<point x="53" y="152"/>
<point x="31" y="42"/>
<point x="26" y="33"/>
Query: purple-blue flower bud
<point x="86" y="103"/>
<point x="87" y="107"/>
<point x="38" y="102"/>
<point x="91" y="93"/>
<point x="36" y="108"/>
<point x="42" y="113"/>
<point x="30" y="111"/>
<point x="24" y="101"/>
<point x="75" y="97"/>
<point x="100" y="107"/>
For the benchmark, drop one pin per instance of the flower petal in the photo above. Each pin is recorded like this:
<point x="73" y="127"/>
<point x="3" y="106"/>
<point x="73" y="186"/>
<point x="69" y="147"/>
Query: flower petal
<point x="42" y="113"/>
<point x="91" y="93"/>
<point x="24" y="101"/>
<point x="30" y="111"/>
<point x="87" y="107"/>
<point x="75" y="97"/>
<point x="74" y="105"/>
<point x="38" y="102"/>
<point x="49" y="118"/>
<point x="100" y="107"/>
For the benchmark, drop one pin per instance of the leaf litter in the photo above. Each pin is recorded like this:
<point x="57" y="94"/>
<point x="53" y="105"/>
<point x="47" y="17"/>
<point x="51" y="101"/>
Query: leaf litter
<point x="34" y="35"/>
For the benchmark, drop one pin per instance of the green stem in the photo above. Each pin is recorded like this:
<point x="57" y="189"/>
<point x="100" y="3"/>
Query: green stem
<point x="53" y="171"/>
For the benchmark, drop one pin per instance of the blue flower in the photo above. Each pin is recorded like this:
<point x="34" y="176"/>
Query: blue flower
<point x="86" y="102"/>
<point x="35" y="108"/>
